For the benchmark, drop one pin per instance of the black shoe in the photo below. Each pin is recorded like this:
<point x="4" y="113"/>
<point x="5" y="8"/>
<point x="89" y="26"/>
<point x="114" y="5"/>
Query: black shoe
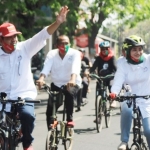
<point x="78" y="109"/>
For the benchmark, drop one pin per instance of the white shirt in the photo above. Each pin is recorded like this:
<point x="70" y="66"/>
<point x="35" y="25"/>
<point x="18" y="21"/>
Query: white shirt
<point x="61" y="69"/>
<point x="138" y="77"/>
<point x="15" y="69"/>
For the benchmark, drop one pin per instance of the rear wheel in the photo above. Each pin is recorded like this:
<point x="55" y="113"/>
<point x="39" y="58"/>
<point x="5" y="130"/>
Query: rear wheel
<point x="68" y="141"/>
<point x="107" y="114"/>
<point x="99" y="113"/>
<point x="51" y="140"/>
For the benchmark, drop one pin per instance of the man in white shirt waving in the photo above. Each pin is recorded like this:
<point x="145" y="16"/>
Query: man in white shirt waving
<point x="15" y="69"/>
<point x="64" y="65"/>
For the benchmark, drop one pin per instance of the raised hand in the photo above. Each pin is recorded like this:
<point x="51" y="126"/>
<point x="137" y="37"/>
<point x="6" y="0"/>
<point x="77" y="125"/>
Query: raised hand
<point x="61" y="17"/>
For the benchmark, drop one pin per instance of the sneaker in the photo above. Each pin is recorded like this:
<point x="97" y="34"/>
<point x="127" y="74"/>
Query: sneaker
<point x="122" y="146"/>
<point x="28" y="148"/>
<point x="70" y="123"/>
<point x="113" y="104"/>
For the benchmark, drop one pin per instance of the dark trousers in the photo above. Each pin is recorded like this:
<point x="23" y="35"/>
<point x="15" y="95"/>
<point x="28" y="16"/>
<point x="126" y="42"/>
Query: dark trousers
<point x="69" y="103"/>
<point x="27" y="118"/>
<point x="84" y="89"/>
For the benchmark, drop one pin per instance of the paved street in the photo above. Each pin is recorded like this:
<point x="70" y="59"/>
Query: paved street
<point x="86" y="136"/>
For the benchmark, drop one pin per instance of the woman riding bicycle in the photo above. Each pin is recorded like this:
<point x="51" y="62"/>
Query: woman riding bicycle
<point x="105" y="63"/>
<point x="135" y="71"/>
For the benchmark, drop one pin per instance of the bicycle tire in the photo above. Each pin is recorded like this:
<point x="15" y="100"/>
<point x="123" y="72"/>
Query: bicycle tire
<point x="107" y="114"/>
<point x="3" y="145"/>
<point x="51" y="140"/>
<point x="135" y="146"/>
<point x="99" y="113"/>
<point x="68" y="141"/>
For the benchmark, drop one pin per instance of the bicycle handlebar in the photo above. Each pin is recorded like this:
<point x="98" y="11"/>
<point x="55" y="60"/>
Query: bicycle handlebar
<point x="18" y="101"/>
<point x="123" y="98"/>
<point x="100" y="77"/>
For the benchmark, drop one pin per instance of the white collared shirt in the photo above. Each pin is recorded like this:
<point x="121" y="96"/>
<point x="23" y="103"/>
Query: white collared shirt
<point x="15" y="69"/>
<point x="61" y="69"/>
<point x="138" y="77"/>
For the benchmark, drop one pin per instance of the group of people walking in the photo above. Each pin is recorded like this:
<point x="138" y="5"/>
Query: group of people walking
<point x="64" y="65"/>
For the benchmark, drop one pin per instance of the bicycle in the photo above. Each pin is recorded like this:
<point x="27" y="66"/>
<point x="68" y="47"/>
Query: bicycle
<point x="10" y="126"/>
<point x="138" y="141"/>
<point x="58" y="129"/>
<point x="102" y="105"/>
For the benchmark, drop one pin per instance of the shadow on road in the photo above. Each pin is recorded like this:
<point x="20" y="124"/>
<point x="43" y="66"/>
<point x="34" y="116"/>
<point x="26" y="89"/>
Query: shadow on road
<point x="85" y="131"/>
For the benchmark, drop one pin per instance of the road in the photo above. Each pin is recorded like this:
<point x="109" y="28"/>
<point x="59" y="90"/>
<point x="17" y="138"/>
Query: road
<point x="86" y="136"/>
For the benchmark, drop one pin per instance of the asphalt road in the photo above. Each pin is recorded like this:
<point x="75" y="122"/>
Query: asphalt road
<point x="86" y="136"/>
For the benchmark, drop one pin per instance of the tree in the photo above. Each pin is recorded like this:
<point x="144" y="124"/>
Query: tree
<point x="25" y="14"/>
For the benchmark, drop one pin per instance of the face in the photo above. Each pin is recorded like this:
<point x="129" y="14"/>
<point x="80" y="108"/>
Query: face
<point x="9" y="42"/>
<point x="136" y="52"/>
<point x="104" y="51"/>
<point x="63" y="44"/>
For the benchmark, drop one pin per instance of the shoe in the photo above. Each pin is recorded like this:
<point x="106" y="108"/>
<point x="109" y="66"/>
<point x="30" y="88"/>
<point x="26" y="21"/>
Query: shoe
<point x="78" y="109"/>
<point x="28" y="148"/>
<point x="84" y="102"/>
<point x="113" y="104"/>
<point x="70" y="124"/>
<point x="98" y="121"/>
<point x="122" y="146"/>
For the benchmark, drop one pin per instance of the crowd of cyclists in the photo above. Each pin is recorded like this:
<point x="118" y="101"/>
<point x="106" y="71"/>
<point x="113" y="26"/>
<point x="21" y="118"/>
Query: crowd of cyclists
<point x="68" y="66"/>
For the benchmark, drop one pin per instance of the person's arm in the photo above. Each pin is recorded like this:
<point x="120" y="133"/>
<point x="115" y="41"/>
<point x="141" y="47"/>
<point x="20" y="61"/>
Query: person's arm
<point x="61" y="17"/>
<point x="95" y="64"/>
<point x="40" y="82"/>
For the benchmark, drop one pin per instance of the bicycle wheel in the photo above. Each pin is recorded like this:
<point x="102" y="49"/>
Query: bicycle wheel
<point x="99" y="113"/>
<point x="51" y="140"/>
<point x="143" y="146"/>
<point x="2" y="141"/>
<point x="68" y="141"/>
<point x="135" y="146"/>
<point x="107" y="114"/>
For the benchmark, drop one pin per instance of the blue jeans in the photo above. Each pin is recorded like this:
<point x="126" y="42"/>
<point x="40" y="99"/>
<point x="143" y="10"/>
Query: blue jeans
<point x="126" y="121"/>
<point x="27" y="118"/>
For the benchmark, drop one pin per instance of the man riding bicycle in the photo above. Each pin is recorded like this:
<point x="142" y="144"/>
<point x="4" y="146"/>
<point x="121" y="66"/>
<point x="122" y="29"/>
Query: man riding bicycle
<point x="64" y="65"/>
<point x="16" y="79"/>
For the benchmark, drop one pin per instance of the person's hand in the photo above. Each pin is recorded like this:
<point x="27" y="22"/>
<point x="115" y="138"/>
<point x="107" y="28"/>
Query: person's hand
<point x="112" y="96"/>
<point x="71" y="83"/>
<point x="61" y="17"/>
<point x="40" y="83"/>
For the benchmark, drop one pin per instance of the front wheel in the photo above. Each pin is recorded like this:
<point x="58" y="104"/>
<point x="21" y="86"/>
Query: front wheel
<point x="99" y="113"/>
<point x="135" y="146"/>
<point x="107" y="114"/>
<point x="68" y="141"/>
<point x="143" y="146"/>
<point x="51" y="140"/>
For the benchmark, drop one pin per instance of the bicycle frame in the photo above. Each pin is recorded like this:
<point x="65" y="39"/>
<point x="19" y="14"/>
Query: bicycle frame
<point x="54" y="134"/>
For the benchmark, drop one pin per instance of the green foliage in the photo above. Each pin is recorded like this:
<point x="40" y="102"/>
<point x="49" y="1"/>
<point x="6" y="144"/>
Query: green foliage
<point x="29" y="19"/>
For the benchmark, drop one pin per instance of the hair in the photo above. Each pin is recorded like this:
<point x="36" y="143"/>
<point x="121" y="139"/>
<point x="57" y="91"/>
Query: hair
<point x="58" y="39"/>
